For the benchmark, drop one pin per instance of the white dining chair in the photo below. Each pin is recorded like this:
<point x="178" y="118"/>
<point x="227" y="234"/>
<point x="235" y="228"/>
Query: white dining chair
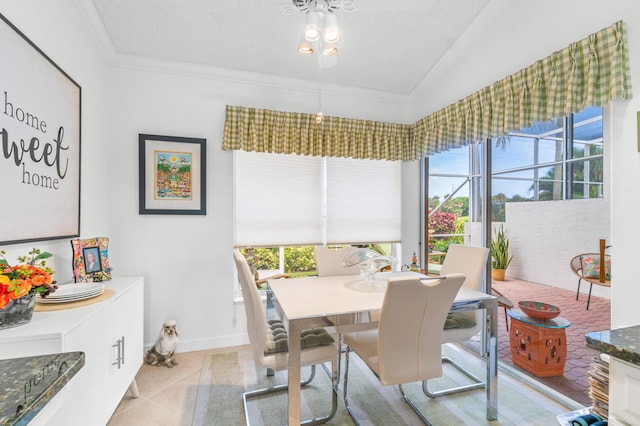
<point x="471" y="261"/>
<point x="262" y="347"/>
<point x="329" y="261"/>
<point x="405" y="347"/>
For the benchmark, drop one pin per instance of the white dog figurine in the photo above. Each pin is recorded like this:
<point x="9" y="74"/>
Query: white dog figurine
<point x="163" y="352"/>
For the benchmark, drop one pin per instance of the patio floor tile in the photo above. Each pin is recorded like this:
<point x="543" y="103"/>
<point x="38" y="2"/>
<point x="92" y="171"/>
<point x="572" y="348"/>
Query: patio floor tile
<point x="573" y="383"/>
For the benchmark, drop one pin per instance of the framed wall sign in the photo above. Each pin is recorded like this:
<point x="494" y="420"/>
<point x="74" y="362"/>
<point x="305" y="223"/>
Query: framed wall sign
<point x="172" y="175"/>
<point x="40" y="140"/>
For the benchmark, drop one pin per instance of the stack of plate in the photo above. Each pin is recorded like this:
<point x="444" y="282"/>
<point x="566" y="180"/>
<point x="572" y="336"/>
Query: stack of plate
<point x="73" y="292"/>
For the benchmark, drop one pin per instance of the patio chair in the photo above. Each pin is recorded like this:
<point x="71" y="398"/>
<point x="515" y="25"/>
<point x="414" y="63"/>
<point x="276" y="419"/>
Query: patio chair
<point x="405" y="347"/>
<point x="587" y="267"/>
<point x="275" y="356"/>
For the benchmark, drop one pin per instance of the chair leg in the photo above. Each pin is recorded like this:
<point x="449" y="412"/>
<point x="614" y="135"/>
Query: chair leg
<point x="336" y="374"/>
<point x="413" y="406"/>
<point x="346" y="385"/>
<point x="578" y="292"/>
<point x="284" y="387"/>
<point x="477" y="383"/>
<point x="589" y="299"/>
<point x="506" y="318"/>
<point x="353" y="414"/>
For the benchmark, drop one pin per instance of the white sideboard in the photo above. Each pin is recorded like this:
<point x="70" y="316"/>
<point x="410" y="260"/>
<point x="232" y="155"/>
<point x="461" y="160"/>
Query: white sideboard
<point x="624" y="393"/>
<point x="623" y="347"/>
<point x="110" y="333"/>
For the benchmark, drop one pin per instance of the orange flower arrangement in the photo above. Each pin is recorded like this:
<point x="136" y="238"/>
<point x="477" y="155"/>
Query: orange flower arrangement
<point x="32" y="276"/>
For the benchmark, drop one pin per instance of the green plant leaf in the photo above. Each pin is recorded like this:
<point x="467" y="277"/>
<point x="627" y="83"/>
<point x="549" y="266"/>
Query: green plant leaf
<point x="500" y="258"/>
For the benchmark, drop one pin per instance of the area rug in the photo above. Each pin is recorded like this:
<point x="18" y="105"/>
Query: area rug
<point x="226" y="376"/>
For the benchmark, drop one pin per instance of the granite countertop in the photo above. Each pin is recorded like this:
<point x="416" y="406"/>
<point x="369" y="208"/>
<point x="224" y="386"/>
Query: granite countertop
<point x="622" y="343"/>
<point x="28" y="384"/>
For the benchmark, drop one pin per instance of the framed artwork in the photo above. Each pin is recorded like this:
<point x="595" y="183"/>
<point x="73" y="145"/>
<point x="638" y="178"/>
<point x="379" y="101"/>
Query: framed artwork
<point x="172" y="175"/>
<point x="91" y="259"/>
<point x="40" y="131"/>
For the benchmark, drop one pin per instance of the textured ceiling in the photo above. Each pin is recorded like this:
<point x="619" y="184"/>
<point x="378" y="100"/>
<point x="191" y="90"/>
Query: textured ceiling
<point x="386" y="45"/>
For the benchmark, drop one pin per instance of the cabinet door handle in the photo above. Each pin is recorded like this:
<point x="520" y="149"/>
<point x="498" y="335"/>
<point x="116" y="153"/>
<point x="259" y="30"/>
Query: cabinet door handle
<point x="117" y="361"/>
<point x="120" y="359"/>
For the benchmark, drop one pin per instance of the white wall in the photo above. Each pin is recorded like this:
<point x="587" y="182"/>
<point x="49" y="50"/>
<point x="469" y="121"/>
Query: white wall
<point x="544" y="236"/>
<point x="508" y="38"/>
<point x="411" y="213"/>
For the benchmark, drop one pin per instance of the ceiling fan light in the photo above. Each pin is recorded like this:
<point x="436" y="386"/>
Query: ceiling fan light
<point x="312" y="28"/>
<point x="331" y="35"/>
<point x="305" y="47"/>
<point x="329" y="50"/>
<point x="331" y="30"/>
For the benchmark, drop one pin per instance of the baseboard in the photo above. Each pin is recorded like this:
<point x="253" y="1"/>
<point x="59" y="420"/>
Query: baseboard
<point x="192" y="345"/>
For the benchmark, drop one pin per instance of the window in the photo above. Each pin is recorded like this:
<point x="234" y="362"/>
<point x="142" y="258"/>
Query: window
<point x="561" y="159"/>
<point x="287" y="204"/>
<point x="296" y="261"/>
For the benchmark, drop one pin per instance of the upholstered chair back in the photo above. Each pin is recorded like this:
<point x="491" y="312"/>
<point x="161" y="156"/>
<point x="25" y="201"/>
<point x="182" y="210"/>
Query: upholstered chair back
<point x="329" y="262"/>
<point x="254" y="307"/>
<point x="411" y="326"/>
<point x="470" y="261"/>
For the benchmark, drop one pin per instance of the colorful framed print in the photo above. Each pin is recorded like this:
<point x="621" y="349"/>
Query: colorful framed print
<point x="91" y="260"/>
<point x="40" y="131"/>
<point x="172" y="175"/>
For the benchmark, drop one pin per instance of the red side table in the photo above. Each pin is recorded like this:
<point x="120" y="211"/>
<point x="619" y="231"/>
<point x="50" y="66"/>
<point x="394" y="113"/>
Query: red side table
<point x="538" y="346"/>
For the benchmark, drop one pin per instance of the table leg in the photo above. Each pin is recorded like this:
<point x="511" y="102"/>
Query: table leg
<point x="293" y="374"/>
<point x="492" y="361"/>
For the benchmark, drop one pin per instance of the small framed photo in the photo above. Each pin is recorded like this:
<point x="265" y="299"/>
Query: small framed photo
<point x="172" y="175"/>
<point x="91" y="259"/>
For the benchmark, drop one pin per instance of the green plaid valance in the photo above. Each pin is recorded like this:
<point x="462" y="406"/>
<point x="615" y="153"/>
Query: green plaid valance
<point x="590" y="72"/>
<point x="262" y="130"/>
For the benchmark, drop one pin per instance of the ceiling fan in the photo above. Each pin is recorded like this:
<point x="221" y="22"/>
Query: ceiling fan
<point x="304" y="6"/>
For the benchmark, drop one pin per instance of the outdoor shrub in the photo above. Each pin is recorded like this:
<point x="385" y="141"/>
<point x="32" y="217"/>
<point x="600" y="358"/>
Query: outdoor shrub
<point x="299" y="259"/>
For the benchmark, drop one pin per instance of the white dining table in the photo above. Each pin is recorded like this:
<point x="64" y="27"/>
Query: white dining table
<point x="338" y="300"/>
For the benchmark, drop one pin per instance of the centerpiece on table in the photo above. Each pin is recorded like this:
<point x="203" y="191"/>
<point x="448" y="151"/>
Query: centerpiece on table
<point x="20" y="284"/>
<point x="369" y="261"/>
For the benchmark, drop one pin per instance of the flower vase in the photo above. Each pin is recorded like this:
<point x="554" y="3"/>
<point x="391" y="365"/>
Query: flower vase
<point x="18" y="311"/>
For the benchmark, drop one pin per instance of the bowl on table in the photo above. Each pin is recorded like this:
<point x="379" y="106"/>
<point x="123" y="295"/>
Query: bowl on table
<point x="539" y="310"/>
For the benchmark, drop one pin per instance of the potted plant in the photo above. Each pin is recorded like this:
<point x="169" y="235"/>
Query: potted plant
<point x="500" y="258"/>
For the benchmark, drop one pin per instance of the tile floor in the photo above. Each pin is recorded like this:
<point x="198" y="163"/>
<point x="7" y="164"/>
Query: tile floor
<point x="167" y="396"/>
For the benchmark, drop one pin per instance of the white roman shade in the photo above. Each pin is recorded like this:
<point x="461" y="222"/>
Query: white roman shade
<point x="283" y="199"/>
<point x="363" y="201"/>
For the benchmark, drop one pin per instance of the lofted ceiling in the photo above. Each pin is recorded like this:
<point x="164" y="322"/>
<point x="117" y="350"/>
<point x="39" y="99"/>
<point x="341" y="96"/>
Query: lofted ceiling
<point x="386" y="45"/>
